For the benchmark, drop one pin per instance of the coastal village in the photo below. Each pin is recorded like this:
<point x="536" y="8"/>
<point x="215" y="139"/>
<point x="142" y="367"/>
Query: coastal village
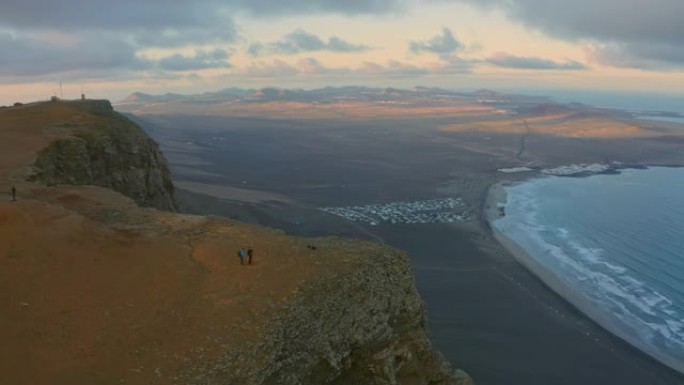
<point x="428" y="211"/>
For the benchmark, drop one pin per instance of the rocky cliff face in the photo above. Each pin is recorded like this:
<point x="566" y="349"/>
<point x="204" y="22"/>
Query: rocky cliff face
<point x="365" y="325"/>
<point x="110" y="151"/>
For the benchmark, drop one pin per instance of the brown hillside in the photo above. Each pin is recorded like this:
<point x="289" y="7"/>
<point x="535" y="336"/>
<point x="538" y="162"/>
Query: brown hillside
<point x="95" y="290"/>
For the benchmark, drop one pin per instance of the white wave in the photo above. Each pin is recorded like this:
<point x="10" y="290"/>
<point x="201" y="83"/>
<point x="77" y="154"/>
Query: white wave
<point x="514" y="169"/>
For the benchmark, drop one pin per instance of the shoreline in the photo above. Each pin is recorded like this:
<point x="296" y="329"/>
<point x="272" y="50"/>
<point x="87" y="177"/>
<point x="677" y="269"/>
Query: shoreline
<point x="496" y="197"/>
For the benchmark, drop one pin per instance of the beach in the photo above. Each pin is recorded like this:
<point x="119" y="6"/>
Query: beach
<point x="488" y="311"/>
<point x="495" y="201"/>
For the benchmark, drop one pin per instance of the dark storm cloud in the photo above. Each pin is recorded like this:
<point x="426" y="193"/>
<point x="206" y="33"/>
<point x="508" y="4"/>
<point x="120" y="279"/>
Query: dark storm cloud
<point x="159" y="14"/>
<point x="647" y="56"/>
<point x="444" y="44"/>
<point x="148" y="23"/>
<point x="38" y="55"/>
<point x="534" y="63"/>
<point x="301" y="41"/>
<point x="100" y="14"/>
<point x="628" y="24"/>
<point x="199" y="61"/>
<point x="348" y="7"/>
<point x="173" y="37"/>
<point x="168" y="23"/>
<point x="33" y="56"/>
<point x="624" y="20"/>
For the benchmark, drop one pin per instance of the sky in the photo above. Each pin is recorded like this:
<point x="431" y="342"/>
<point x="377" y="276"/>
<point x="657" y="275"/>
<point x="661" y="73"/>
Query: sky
<point x="110" y="49"/>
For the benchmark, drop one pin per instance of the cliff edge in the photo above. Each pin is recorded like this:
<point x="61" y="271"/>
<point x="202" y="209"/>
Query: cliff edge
<point x="107" y="151"/>
<point x="96" y="289"/>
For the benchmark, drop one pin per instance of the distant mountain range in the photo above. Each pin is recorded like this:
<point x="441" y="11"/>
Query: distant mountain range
<point x="327" y="95"/>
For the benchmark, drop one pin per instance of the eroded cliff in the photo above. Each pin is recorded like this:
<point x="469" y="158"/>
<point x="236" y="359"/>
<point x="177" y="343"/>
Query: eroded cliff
<point x="109" y="151"/>
<point x="95" y="289"/>
<point x="361" y="322"/>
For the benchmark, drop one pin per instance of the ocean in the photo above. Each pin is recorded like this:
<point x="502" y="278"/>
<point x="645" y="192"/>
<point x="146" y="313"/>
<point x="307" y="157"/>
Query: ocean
<point x="614" y="245"/>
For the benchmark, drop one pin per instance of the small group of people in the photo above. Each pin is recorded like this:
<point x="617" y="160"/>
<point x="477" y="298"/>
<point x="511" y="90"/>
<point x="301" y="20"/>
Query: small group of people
<point x="248" y="254"/>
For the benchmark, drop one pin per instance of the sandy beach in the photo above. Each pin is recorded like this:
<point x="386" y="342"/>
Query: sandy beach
<point x="494" y="209"/>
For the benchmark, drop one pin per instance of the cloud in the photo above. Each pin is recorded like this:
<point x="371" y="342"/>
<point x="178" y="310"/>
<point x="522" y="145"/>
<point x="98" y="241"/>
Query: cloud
<point x="336" y="44"/>
<point x="69" y="15"/>
<point x="159" y="14"/>
<point x="446" y="47"/>
<point x="390" y="69"/>
<point x="646" y="56"/>
<point x="620" y="20"/>
<point x="625" y="25"/>
<point x="256" y="49"/>
<point x="275" y="69"/>
<point x="346" y="7"/>
<point x="532" y="63"/>
<point x="453" y="65"/>
<point x="200" y="61"/>
<point x="444" y="44"/>
<point x="173" y="37"/>
<point x="300" y="41"/>
<point x="92" y="56"/>
<point x="150" y="23"/>
<point x="171" y="23"/>
<point x="36" y="55"/>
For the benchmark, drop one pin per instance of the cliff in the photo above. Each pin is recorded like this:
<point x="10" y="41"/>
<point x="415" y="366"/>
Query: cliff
<point x="110" y="151"/>
<point x="95" y="289"/>
<point x="360" y="323"/>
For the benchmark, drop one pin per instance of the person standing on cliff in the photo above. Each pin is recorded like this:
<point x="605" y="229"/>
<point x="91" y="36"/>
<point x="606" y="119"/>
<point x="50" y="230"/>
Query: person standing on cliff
<point x="250" y="252"/>
<point x="14" y="193"/>
<point x="241" y="254"/>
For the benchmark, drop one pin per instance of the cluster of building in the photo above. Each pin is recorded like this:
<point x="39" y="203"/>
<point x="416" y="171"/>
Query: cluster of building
<point x="428" y="211"/>
<point x="578" y="169"/>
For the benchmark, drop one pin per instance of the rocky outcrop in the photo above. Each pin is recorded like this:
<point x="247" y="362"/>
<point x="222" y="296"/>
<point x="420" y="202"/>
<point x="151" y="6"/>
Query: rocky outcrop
<point x="109" y="151"/>
<point x="364" y="326"/>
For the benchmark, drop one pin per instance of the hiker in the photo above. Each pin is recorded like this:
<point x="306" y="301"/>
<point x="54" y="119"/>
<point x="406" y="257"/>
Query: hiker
<point x="14" y="194"/>
<point x="250" y="252"/>
<point x="241" y="254"/>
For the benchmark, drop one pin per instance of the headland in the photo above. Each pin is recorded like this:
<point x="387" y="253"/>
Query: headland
<point x="101" y="282"/>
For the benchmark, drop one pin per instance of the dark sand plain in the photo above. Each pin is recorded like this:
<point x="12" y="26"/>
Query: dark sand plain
<point x="487" y="314"/>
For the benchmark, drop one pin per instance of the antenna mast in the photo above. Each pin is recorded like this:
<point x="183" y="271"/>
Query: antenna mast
<point x="61" y="94"/>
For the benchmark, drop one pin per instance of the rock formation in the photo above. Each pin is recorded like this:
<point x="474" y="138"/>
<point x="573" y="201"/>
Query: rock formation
<point x="110" y="152"/>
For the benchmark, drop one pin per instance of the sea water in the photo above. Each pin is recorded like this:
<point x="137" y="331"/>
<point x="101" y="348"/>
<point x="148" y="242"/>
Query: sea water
<point x="616" y="245"/>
